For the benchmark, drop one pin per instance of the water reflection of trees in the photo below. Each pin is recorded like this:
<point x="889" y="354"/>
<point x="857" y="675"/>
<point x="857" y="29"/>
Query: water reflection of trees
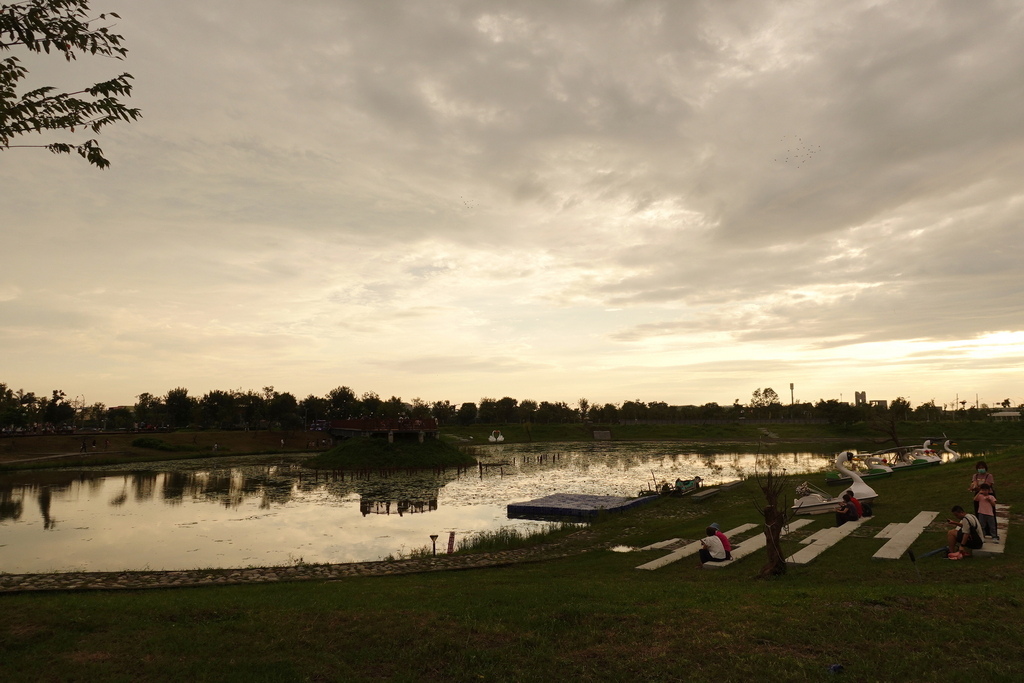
<point x="405" y="493"/>
<point x="20" y="488"/>
<point x="399" y="493"/>
<point x="10" y="508"/>
<point x="229" y="487"/>
<point x="45" y="498"/>
<point x="642" y="459"/>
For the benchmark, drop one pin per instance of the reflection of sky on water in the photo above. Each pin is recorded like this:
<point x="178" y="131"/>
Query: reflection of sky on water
<point x="246" y="512"/>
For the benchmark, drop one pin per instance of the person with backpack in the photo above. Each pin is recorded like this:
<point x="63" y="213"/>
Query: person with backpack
<point x="965" y="535"/>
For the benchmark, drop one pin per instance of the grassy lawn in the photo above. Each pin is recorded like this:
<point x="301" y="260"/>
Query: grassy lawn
<point x="588" y="617"/>
<point x="118" y="447"/>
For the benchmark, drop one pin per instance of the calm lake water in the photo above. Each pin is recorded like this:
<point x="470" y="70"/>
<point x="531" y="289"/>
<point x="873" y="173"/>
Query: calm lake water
<point x="259" y="511"/>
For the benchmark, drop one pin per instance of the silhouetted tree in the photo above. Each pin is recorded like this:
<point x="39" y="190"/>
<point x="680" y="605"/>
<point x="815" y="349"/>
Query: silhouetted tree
<point x="487" y="411"/>
<point x="179" y="407"/>
<point x="341" y="403"/>
<point x="65" y="27"/>
<point x="444" y="412"/>
<point x="467" y="414"/>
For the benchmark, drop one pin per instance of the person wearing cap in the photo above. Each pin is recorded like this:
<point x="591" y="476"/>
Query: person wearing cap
<point x="724" y="539"/>
<point x="711" y="549"/>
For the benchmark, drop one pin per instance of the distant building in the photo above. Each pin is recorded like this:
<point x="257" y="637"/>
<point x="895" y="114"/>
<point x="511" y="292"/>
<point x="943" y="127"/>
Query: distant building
<point x="860" y="398"/>
<point x="884" y="405"/>
<point x="1006" y="416"/>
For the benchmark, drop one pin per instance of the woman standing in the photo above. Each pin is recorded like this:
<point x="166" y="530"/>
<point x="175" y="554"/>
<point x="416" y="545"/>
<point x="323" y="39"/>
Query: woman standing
<point x="981" y="476"/>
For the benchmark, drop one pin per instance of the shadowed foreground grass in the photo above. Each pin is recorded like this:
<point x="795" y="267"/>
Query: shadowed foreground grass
<point x="588" y="617"/>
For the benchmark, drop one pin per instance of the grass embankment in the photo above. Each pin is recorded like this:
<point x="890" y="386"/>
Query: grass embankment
<point x="829" y="437"/>
<point x="589" y="617"/>
<point x="121" y="447"/>
<point x="117" y="448"/>
<point x="365" y="454"/>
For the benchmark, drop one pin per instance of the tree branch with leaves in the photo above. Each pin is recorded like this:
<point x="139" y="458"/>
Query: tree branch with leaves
<point x="65" y="27"/>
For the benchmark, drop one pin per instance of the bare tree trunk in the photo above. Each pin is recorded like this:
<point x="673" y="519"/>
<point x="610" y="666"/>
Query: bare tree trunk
<point x="775" y="517"/>
<point x="773" y="523"/>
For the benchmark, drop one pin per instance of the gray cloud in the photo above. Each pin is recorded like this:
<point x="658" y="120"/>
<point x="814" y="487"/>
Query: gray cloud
<point x="515" y="189"/>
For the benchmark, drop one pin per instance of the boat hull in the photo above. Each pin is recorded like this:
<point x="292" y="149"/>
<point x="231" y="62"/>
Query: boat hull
<point x="916" y="465"/>
<point x="822" y="507"/>
<point x="837" y="480"/>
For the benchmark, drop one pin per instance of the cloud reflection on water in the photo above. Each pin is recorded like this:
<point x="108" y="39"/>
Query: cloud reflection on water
<point x="265" y="511"/>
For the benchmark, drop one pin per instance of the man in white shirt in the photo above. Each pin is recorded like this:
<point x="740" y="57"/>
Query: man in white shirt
<point x="711" y="549"/>
<point x="966" y="533"/>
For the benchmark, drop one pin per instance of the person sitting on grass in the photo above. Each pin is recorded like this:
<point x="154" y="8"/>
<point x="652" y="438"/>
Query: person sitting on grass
<point x="845" y="511"/>
<point x="855" y="503"/>
<point x="965" y="535"/>
<point x="711" y="549"/>
<point x="724" y="539"/>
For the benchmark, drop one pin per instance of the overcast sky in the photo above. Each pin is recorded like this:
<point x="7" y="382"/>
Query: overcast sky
<point x="617" y="200"/>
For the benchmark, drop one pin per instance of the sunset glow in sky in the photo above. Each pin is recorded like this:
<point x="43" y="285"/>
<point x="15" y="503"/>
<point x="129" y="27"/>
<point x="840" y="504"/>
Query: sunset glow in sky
<point x="617" y="200"/>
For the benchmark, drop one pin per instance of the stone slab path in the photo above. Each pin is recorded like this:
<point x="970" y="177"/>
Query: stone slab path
<point x="821" y="540"/>
<point x="991" y="547"/>
<point x="755" y="543"/>
<point x="901" y="536"/>
<point x="686" y="551"/>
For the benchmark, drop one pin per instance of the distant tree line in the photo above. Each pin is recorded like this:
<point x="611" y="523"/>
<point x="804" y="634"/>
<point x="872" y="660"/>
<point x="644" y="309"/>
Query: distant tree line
<point x="268" y="408"/>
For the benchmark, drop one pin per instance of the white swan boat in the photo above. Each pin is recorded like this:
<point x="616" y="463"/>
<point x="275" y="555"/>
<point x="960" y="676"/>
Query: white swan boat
<point x="875" y="468"/>
<point x="902" y="458"/>
<point x="814" y="501"/>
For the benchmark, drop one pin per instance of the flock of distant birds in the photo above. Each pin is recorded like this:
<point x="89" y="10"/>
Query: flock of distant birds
<point x="799" y="153"/>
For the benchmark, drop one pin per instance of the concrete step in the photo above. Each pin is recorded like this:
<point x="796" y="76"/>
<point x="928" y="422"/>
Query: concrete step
<point x="688" y="549"/>
<point x="755" y="543"/>
<point x="901" y="540"/>
<point x="822" y="540"/>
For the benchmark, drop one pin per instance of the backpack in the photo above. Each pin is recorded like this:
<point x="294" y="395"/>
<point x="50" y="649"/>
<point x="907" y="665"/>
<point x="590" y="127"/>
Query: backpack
<point x="974" y="539"/>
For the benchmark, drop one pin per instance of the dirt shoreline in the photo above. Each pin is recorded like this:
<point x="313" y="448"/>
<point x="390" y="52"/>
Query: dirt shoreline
<point x="150" y="580"/>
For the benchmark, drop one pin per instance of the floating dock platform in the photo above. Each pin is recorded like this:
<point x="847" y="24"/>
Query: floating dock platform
<point x="560" y="505"/>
